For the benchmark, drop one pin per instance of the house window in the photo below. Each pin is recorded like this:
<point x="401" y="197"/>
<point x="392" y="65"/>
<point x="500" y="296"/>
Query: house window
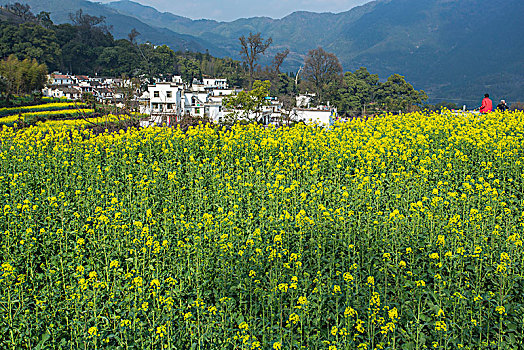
<point x="169" y="94"/>
<point x="169" y="106"/>
<point x="155" y="105"/>
<point x="156" y="94"/>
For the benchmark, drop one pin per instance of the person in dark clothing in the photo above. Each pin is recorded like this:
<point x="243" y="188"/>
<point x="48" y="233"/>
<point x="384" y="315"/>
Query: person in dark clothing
<point x="502" y="106"/>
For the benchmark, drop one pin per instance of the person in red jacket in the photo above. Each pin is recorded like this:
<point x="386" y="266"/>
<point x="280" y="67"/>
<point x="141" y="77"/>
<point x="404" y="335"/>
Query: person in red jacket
<point x="487" y="105"/>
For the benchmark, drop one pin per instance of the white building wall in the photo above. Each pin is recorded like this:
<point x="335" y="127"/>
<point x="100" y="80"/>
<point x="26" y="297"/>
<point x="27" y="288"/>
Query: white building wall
<point x="194" y="103"/>
<point x="221" y="92"/>
<point x="313" y="116"/>
<point x="216" y="83"/>
<point x="303" y="101"/>
<point x="214" y="111"/>
<point x="61" y="81"/>
<point x="165" y="98"/>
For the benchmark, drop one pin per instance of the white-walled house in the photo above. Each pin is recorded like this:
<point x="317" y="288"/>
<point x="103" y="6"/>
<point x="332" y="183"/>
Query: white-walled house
<point x="61" y="79"/>
<point x="216" y="97"/>
<point x="175" y="99"/>
<point x="86" y="86"/>
<point x="62" y="91"/>
<point x="269" y="114"/>
<point x="221" y="92"/>
<point x="194" y="103"/>
<point x="304" y="101"/>
<point x="166" y="98"/>
<point x="198" y="87"/>
<point x="105" y="95"/>
<point x="143" y="101"/>
<point x="314" y="116"/>
<point x="215" y="83"/>
<point x="214" y="111"/>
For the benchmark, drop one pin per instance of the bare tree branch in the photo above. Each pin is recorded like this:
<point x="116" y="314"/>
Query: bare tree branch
<point x="321" y="68"/>
<point x="278" y="60"/>
<point x="251" y="49"/>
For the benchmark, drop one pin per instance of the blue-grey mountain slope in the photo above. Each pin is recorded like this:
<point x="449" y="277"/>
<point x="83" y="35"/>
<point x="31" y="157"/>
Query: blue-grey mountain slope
<point x="454" y="49"/>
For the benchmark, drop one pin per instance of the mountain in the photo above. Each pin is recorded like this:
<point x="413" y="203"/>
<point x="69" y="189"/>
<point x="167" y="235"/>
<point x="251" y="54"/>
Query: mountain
<point x="121" y="24"/>
<point x="456" y="50"/>
<point x="300" y="31"/>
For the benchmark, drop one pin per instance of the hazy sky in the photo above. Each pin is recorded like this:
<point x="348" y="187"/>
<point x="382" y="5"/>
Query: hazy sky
<point x="227" y="10"/>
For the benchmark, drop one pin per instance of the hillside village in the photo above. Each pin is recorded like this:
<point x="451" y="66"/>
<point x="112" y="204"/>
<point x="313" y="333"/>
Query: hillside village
<point x="167" y="100"/>
<point x="158" y="198"/>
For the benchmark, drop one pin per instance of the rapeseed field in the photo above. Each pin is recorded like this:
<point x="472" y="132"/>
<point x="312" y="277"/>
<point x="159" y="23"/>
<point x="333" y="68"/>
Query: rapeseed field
<point x="399" y="232"/>
<point x="28" y="114"/>
<point x="55" y="106"/>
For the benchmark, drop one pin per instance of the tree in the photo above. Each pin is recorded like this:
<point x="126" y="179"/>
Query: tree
<point x="189" y="70"/>
<point x="10" y="75"/>
<point x="22" y="77"/>
<point x="285" y="85"/>
<point x="358" y="90"/>
<point x="398" y="95"/>
<point x="248" y="105"/>
<point x="30" y="40"/>
<point x="252" y="48"/>
<point x="163" y="60"/>
<point x="278" y="60"/>
<point x="226" y="68"/>
<point x="121" y="58"/>
<point x="44" y="19"/>
<point x="22" y="11"/>
<point x="321" y="68"/>
<point x="86" y="46"/>
<point x="133" y="35"/>
<point x="362" y="91"/>
<point x="83" y="42"/>
<point x="3" y="86"/>
<point x="79" y="19"/>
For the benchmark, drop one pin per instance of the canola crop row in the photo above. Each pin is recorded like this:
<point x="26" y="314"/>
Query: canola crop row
<point x="40" y="108"/>
<point x="68" y="124"/>
<point x="64" y="123"/>
<point x="46" y="114"/>
<point x="400" y="232"/>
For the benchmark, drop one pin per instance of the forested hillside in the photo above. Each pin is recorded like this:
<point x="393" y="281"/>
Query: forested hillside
<point x="121" y="24"/>
<point x="86" y="46"/>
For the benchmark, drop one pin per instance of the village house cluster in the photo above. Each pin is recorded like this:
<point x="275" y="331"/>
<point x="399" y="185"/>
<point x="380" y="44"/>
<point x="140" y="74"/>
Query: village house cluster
<point x="171" y="99"/>
<point x="104" y="90"/>
<point x="167" y="100"/>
